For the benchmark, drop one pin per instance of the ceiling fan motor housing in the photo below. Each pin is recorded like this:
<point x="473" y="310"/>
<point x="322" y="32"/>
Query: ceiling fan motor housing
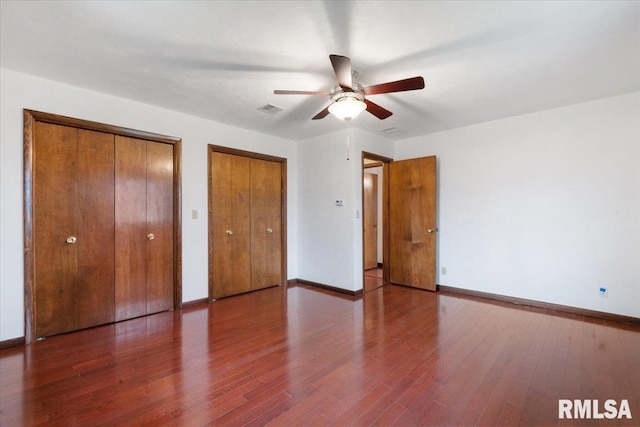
<point x="338" y="93"/>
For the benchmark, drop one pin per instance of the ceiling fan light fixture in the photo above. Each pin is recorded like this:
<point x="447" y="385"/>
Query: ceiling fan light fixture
<point x="348" y="97"/>
<point x="347" y="108"/>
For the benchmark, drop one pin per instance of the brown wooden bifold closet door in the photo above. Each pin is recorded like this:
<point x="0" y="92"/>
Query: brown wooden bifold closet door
<point x="159" y="227"/>
<point x="245" y="231"/>
<point x="100" y="224"/>
<point x="230" y="229"/>
<point x="144" y="227"/>
<point x="73" y="229"/>
<point x="96" y="228"/>
<point x="266" y="223"/>
<point x="412" y="219"/>
<point x="131" y="230"/>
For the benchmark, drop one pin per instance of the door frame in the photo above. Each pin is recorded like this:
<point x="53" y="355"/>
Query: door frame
<point x="385" y="161"/>
<point x="30" y="117"/>
<point x="211" y="148"/>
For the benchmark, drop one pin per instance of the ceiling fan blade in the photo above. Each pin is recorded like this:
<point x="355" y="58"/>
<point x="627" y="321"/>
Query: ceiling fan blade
<point x="376" y="110"/>
<point x="342" y="68"/>
<point x="321" y="115"/>
<point x="413" y="83"/>
<point x="299" y="92"/>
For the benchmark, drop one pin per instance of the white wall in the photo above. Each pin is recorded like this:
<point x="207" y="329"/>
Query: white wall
<point x="23" y="91"/>
<point x="544" y="206"/>
<point x="330" y="237"/>
<point x="325" y="238"/>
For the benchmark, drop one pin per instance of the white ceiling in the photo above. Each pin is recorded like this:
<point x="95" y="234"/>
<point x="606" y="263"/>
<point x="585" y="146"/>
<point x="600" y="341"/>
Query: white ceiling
<point x="481" y="60"/>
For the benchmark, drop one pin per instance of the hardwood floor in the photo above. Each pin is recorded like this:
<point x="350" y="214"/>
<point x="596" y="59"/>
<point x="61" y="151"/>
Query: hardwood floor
<point x="397" y="356"/>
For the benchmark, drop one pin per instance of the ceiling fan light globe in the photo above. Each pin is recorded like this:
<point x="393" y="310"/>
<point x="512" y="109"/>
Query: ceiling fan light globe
<point x="347" y="108"/>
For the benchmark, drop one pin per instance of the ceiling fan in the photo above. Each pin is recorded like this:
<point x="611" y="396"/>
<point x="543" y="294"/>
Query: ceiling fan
<point x="348" y="98"/>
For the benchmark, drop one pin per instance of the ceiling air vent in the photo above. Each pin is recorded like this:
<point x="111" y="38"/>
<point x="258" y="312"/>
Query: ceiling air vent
<point x="270" y="109"/>
<point x="390" y="130"/>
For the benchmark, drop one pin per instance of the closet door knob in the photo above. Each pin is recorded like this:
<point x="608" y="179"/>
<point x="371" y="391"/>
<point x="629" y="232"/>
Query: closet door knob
<point x="432" y="230"/>
<point x="269" y="230"/>
<point x="71" y="240"/>
<point x="150" y="236"/>
<point x="229" y="232"/>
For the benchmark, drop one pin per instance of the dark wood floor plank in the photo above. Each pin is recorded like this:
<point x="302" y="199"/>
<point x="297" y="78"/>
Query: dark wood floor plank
<point x="494" y="371"/>
<point x="390" y="415"/>
<point x="542" y="375"/>
<point x="299" y="356"/>
<point x="573" y="367"/>
<point x="625" y="356"/>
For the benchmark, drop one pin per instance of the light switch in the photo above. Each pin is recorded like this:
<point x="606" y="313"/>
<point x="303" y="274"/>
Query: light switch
<point x="339" y="203"/>
<point x="194" y="214"/>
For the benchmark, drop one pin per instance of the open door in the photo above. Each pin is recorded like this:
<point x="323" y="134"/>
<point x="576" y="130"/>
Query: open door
<point x="412" y="222"/>
<point x="370" y="216"/>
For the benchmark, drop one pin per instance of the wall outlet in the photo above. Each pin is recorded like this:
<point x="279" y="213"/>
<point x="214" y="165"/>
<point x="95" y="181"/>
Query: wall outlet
<point x="443" y="271"/>
<point x="604" y="292"/>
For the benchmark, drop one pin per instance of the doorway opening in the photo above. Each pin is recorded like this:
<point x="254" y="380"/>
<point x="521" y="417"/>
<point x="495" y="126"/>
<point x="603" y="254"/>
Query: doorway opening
<point x="408" y="221"/>
<point x="375" y="212"/>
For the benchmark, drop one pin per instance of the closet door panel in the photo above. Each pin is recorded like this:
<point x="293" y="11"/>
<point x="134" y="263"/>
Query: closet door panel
<point x="96" y="230"/>
<point x="266" y="223"/>
<point x="230" y="225"/>
<point x="159" y="227"/>
<point x="131" y="227"/>
<point x="55" y="221"/>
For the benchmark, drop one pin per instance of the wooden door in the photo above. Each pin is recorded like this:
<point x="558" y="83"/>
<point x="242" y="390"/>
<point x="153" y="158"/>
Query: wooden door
<point x="55" y="227"/>
<point x="412" y="219"/>
<point x="159" y="248"/>
<point x="370" y="188"/>
<point x="96" y="229"/>
<point x="74" y="231"/>
<point x="266" y="223"/>
<point x="131" y="227"/>
<point x="144" y="227"/>
<point x="230" y="227"/>
<point x="91" y="200"/>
